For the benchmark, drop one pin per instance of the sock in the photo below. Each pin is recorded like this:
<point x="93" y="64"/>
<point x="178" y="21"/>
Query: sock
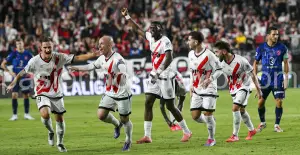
<point x="48" y="124"/>
<point x="26" y="105"/>
<point x="172" y="118"/>
<point x="211" y="126"/>
<point x="15" y="106"/>
<point x="261" y="112"/>
<point x="247" y="121"/>
<point x="201" y="119"/>
<point x="112" y="120"/>
<point x="278" y="112"/>
<point x="147" y="128"/>
<point x="184" y="127"/>
<point x="60" y="131"/>
<point x="128" y="131"/>
<point x="236" y="122"/>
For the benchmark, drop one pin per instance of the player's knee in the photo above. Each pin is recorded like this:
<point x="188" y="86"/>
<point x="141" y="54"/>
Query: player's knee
<point x="208" y="113"/>
<point x="261" y="103"/>
<point x="195" y="115"/>
<point x="278" y="103"/>
<point x="59" y="118"/>
<point x="14" y="95"/>
<point x="45" y="115"/>
<point x="26" y="96"/>
<point x="124" y="119"/>
<point x="235" y="108"/>
<point x="102" y="117"/>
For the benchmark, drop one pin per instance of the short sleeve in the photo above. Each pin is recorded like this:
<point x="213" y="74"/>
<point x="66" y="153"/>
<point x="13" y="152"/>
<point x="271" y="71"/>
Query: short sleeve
<point x="67" y="59"/>
<point x="11" y="56"/>
<point x="30" y="66"/>
<point x="214" y="62"/>
<point x="246" y="66"/>
<point x="258" y="54"/>
<point x="97" y="63"/>
<point x="168" y="45"/>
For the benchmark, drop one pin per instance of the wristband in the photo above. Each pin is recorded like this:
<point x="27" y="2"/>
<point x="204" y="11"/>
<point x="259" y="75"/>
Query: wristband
<point x="127" y="17"/>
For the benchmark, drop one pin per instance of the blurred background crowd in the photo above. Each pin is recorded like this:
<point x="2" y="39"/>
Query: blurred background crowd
<point x="75" y="25"/>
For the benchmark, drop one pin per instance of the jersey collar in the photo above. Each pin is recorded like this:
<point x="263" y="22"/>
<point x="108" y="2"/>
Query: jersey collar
<point x="203" y="50"/>
<point x="106" y="59"/>
<point x="46" y="60"/>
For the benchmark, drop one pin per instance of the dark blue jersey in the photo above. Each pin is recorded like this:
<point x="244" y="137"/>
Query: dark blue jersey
<point x="18" y="60"/>
<point x="271" y="59"/>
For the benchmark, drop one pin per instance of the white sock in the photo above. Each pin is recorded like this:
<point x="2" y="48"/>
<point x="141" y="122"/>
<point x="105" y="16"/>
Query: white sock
<point x="147" y="128"/>
<point x="247" y="121"/>
<point x="172" y="118"/>
<point x="236" y="122"/>
<point x="128" y="131"/>
<point x="112" y="119"/>
<point x="184" y="127"/>
<point x="211" y="126"/>
<point x="48" y="124"/>
<point x="201" y="119"/>
<point x="60" y="131"/>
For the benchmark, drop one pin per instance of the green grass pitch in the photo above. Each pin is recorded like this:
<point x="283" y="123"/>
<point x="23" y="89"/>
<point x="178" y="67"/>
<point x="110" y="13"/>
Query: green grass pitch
<point x="85" y="134"/>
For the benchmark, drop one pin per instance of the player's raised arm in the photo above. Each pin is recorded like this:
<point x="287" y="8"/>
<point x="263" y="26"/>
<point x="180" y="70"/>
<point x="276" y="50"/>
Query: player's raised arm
<point x="85" y="57"/>
<point x="16" y="79"/>
<point x="140" y="30"/>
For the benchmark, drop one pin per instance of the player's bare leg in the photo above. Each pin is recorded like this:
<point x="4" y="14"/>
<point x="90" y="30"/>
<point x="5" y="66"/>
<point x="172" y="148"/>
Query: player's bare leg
<point x="261" y="112"/>
<point x="236" y="123"/>
<point x="105" y="116"/>
<point x="198" y="117"/>
<point x="248" y="123"/>
<point x="128" y="131"/>
<point x="14" y="96"/>
<point x="187" y="134"/>
<point x="148" y="116"/>
<point x="163" y="111"/>
<point x="26" y="107"/>
<point x="180" y="100"/>
<point x="60" y="132"/>
<point x="278" y="112"/>
<point x="46" y="120"/>
<point x="211" y="128"/>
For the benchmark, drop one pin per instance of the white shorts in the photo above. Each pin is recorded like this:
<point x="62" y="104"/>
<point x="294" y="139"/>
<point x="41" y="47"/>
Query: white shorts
<point x="123" y="105"/>
<point x="56" y="105"/>
<point x="203" y="103"/>
<point x="163" y="87"/>
<point x="241" y="97"/>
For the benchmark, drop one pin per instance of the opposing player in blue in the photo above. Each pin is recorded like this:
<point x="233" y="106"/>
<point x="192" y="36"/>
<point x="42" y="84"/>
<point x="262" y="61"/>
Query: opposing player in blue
<point x="273" y="79"/>
<point x="19" y="59"/>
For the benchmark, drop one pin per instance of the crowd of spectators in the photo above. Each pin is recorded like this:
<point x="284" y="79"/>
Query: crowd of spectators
<point x="76" y="25"/>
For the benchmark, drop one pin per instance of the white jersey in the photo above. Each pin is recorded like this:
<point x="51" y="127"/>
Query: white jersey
<point x="238" y="73"/>
<point x="158" y="51"/>
<point x="47" y="75"/>
<point x="116" y="84"/>
<point x="202" y="67"/>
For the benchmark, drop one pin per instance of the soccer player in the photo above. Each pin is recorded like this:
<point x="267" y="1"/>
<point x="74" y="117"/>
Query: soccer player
<point x="161" y="80"/>
<point x="238" y="71"/>
<point x="19" y="59"/>
<point x="272" y="54"/>
<point x="205" y="69"/>
<point x="47" y="69"/>
<point x="180" y="94"/>
<point x="118" y="93"/>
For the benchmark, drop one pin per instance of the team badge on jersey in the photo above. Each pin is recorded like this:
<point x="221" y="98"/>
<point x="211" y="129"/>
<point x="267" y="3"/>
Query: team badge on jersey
<point x="278" y="52"/>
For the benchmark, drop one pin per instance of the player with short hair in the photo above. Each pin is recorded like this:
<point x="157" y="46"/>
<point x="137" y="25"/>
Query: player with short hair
<point x="118" y="93"/>
<point x="19" y="59"/>
<point x="271" y="54"/>
<point x="161" y="80"/>
<point x="238" y="71"/>
<point x="180" y="94"/>
<point x="47" y="69"/>
<point x="205" y="69"/>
